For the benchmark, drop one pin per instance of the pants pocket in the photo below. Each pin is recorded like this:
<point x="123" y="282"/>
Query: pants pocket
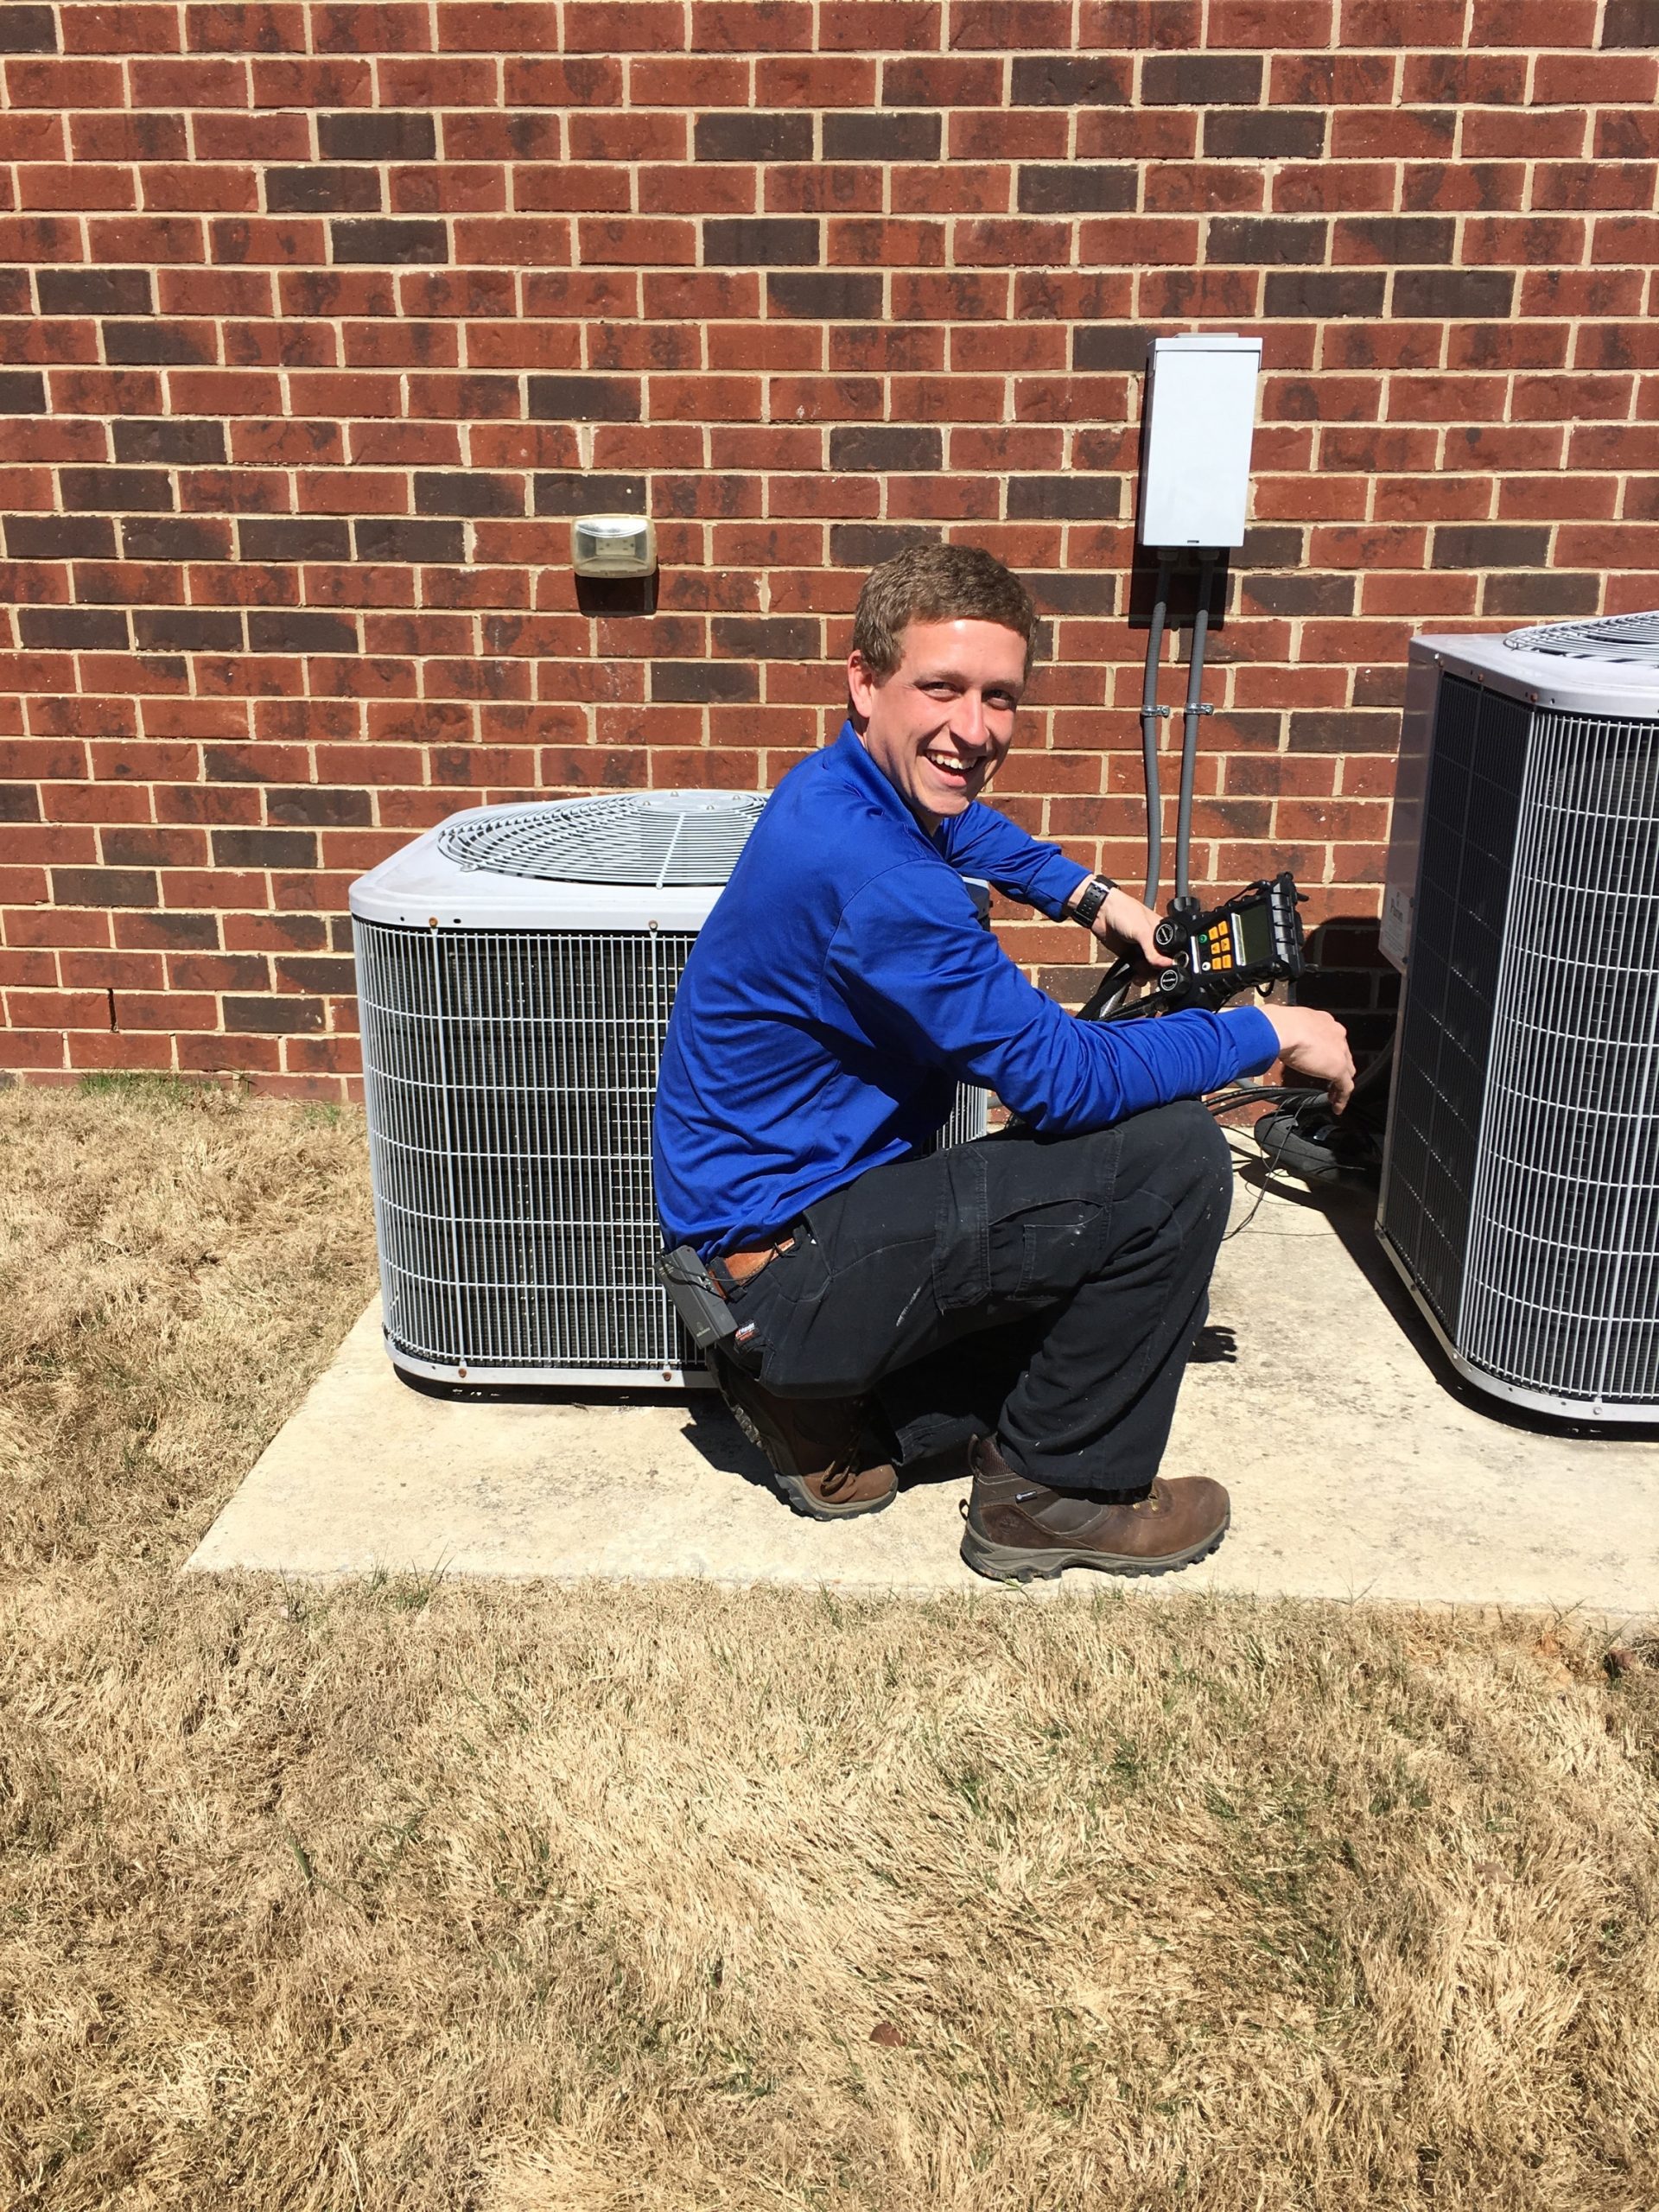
<point x="962" y="1232"/>
<point x="1057" y="1247"/>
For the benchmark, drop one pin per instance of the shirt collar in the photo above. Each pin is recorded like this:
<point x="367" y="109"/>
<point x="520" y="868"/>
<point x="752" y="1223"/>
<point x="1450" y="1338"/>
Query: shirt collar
<point x="856" y="765"/>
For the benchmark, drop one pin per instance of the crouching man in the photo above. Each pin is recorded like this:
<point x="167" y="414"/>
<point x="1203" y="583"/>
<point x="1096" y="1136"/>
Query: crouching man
<point x="1035" y="1294"/>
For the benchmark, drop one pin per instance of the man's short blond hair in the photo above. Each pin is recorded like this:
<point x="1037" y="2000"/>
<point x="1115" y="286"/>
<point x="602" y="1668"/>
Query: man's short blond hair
<point x="937" y="583"/>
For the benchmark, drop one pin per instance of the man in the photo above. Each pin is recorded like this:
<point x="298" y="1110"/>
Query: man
<point x="1036" y="1292"/>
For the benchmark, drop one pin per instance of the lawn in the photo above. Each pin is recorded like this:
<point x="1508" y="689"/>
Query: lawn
<point x="406" y="1894"/>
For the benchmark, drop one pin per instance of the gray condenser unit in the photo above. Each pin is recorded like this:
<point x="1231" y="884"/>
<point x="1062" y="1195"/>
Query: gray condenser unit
<point x="515" y="970"/>
<point x="1520" y="1193"/>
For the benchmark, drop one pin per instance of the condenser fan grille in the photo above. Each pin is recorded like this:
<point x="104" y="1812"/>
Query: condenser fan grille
<point x="658" y="839"/>
<point x="1609" y="636"/>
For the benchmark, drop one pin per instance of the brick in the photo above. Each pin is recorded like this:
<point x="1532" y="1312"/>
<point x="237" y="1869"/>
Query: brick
<point x="888" y="135"/>
<point x="60" y="537"/>
<point x="391" y="240"/>
<point x="1446" y="292"/>
<point x="169" y="443"/>
<point x="1073" y="498"/>
<point x="579" y="491"/>
<point x="391" y="538"/>
<point x="358" y="135"/>
<point x="1269" y="238"/>
<point x="22" y="391"/>
<point x="94" y="291"/>
<point x="1275" y="134"/>
<point x="1324" y="294"/>
<point x="744" y="134"/>
<point x="468" y="492"/>
<point x="303" y="537"/>
<point x="286" y="631"/>
<point x="700" y="681"/>
<point x="308" y="805"/>
<point x="1393" y="239"/>
<point x="884" y="446"/>
<point x="1091" y="80"/>
<point x="153" y="537"/>
<point x="26" y="29"/>
<point x="117" y="489"/>
<point x="761" y="242"/>
<point x="317" y="190"/>
<point x="1078" y="189"/>
<point x="169" y="344"/>
<point x="585" y="399"/>
<point x="234" y="849"/>
<point x="104" y="886"/>
<point x="72" y="629"/>
<point x="1627" y="23"/>
<point x="1490" y="545"/>
<point x="826" y="295"/>
<point x="754" y="637"/>
<point x="277" y="1016"/>
<point x="1201" y="80"/>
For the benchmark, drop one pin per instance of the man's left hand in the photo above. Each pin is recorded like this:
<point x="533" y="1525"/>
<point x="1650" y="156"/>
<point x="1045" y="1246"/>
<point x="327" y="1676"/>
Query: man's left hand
<point x="1124" y="926"/>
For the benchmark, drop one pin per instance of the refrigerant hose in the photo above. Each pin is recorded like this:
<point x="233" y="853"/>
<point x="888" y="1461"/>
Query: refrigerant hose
<point x="1192" y="709"/>
<point x="1150" y="716"/>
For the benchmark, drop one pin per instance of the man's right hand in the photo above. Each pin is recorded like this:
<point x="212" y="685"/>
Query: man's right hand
<point x="1314" y="1044"/>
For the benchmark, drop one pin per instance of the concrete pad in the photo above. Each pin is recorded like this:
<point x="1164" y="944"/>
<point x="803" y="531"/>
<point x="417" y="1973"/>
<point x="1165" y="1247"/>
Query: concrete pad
<point x="1359" y="1467"/>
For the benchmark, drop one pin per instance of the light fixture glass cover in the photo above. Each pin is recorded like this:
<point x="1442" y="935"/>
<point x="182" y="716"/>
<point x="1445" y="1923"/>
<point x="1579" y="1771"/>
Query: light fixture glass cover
<point x="613" y="545"/>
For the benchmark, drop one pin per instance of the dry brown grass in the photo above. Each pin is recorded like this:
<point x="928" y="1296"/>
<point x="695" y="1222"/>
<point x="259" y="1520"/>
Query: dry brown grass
<point x="640" y="1900"/>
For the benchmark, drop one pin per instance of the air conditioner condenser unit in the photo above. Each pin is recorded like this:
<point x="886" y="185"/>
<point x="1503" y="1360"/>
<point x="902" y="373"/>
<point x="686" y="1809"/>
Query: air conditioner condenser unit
<point x="1520" y="1197"/>
<point x="516" y="967"/>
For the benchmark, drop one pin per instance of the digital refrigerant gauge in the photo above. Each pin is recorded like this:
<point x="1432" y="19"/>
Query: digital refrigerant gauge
<point x="1253" y="940"/>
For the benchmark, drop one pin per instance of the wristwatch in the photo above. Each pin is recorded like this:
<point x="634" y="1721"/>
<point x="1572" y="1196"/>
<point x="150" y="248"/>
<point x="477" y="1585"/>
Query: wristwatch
<point x="1099" y="890"/>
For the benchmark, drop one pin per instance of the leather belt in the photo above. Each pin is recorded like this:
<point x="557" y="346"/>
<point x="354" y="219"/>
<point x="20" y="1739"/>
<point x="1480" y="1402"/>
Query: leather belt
<point x="741" y="1265"/>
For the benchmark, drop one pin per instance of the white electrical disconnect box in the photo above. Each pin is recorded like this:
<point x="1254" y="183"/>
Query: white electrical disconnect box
<point x="1200" y="417"/>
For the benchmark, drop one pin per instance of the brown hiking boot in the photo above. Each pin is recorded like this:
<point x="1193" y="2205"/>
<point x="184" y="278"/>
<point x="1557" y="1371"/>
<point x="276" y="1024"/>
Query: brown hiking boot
<point x="1017" y="1529"/>
<point x="820" y="1458"/>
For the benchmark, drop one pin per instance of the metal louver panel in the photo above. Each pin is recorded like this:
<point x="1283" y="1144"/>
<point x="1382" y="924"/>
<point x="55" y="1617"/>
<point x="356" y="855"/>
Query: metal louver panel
<point x="1562" y="1293"/>
<point x="509" y="1076"/>
<point x="1469" y="819"/>
<point x="1520" y="1197"/>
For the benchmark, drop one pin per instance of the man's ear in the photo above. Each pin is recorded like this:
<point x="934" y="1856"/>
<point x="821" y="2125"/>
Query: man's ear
<point x="860" y="685"/>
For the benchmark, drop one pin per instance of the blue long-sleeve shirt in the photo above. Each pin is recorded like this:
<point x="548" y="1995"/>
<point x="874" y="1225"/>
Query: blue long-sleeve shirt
<point x="843" y="986"/>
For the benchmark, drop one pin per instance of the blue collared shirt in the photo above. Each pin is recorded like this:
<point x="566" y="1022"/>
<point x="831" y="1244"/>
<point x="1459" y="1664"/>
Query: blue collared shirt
<point x="843" y="986"/>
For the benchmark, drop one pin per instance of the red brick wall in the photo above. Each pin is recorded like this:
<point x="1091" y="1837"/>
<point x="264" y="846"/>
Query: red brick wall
<point x="321" y="319"/>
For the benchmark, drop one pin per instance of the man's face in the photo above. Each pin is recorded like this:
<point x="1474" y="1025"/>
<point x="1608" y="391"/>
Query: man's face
<point x="939" y="725"/>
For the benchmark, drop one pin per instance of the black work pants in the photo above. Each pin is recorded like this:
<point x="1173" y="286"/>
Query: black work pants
<point x="1048" y="1290"/>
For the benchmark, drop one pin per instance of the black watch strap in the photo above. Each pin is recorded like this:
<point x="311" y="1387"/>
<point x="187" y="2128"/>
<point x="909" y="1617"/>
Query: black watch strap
<point x="1098" y="891"/>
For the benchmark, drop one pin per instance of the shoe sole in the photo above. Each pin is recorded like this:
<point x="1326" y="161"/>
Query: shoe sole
<point x="793" y="1488"/>
<point x="796" y="1495"/>
<point x="1012" y="1563"/>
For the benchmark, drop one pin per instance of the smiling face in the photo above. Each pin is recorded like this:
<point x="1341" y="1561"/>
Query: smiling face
<point x="939" y="725"/>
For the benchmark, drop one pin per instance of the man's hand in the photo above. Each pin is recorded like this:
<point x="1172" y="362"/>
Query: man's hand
<point x="1124" y="926"/>
<point x="1314" y="1044"/>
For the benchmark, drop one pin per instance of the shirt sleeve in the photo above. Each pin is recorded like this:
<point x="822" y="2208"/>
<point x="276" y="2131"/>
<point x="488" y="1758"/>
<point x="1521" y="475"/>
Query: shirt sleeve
<point x="926" y="981"/>
<point x="981" y="841"/>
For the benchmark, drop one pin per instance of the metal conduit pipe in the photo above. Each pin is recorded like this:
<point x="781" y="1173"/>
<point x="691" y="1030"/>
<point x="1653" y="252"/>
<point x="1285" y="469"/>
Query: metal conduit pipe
<point x="1150" y="717"/>
<point x="1192" y="709"/>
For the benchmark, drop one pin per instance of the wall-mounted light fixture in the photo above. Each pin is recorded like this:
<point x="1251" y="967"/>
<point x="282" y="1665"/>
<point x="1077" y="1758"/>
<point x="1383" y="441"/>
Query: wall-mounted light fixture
<point x="613" y="545"/>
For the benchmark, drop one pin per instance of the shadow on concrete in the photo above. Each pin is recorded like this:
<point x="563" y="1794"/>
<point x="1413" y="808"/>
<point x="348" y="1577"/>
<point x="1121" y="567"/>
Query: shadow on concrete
<point x="1351" y="1208"/>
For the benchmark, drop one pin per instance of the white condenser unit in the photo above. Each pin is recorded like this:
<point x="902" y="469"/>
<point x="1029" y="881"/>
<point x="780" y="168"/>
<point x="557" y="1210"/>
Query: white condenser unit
<point x="515" y="970"/>
<point x="1520" y="1195"/>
